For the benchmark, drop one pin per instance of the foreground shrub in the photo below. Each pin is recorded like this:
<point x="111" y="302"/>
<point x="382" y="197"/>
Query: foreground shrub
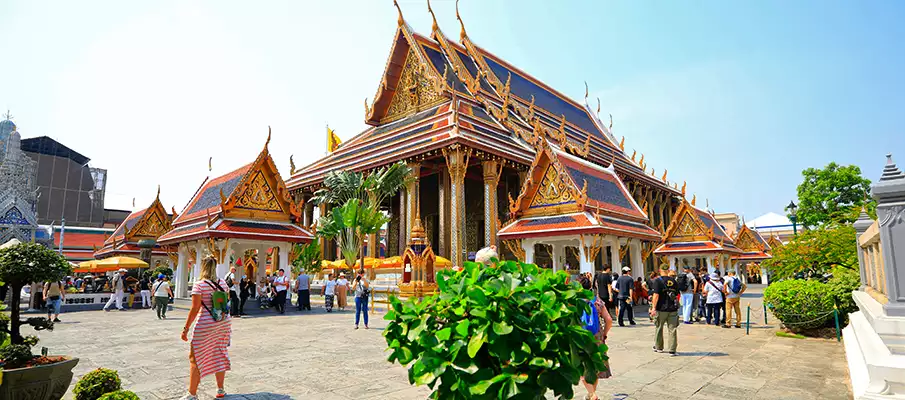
<point x="96" y="384"/>
<point x="15" y="356"/>
<point x="507" y="331"/>
<point x="120" y="395"/>
<point x="800" y="304"/>
<point x="841" y="285"/>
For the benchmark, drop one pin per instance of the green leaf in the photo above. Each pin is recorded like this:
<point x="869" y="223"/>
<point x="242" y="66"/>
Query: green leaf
<point x="502" y="328"/>
<point x="475" y="343"/>
<point x="462" y="328"/>
<point x="477" y="295"/>
<point x="444" y="334"/>
<point x="540" y="362"/>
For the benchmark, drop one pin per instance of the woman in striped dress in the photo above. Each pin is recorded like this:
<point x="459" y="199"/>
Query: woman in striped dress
<point x="210" y="338"/>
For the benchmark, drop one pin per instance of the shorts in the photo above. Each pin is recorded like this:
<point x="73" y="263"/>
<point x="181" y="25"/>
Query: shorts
<point x="53" y="306"/>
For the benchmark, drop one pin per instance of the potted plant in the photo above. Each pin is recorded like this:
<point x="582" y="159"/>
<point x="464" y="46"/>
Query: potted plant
<point x="27" y="376"/>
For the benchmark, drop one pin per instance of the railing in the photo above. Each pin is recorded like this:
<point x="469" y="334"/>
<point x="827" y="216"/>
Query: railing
<point x="382" y="296"/>
<point x="871" y="255"/>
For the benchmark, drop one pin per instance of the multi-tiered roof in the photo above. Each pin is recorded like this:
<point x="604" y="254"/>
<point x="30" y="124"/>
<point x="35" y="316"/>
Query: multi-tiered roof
<point x="693" y="230"/>
<point x="146" y="224"/>
<point x="251" y="203"/>
<point x="435" y="93"/>
<point x="752" y="245"/>
<point x="565" y="195"/>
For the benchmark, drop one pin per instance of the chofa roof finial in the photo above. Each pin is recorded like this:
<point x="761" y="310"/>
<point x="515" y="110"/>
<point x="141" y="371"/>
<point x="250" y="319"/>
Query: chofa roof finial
<point x="434" y="27"/>
<point x="267" y="143"/>
<point x="401" y="20"/>
<point x="462" y="34"/>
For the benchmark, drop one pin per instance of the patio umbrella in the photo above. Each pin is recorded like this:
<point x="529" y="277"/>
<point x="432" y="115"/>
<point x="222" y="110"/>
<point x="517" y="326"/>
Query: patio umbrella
<point x="441" y="262"/>
<point x="85" y="266"/>
<point x="115" y="263"/>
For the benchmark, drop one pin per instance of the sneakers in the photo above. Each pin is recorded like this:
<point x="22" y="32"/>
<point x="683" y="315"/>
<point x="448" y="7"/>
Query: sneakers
<point x="57" y="320"/>
<point x="672" y="354"/>
<point x="738" y="326"/>
<point x="726" y="326"/>
<point x="221" y="393"/>
<point x="189" y="397"/>
<point x="632" y="323"/>
<point x="106" y="310"/>
<point x="656" y="350"/>
<point x="687" y="322"/>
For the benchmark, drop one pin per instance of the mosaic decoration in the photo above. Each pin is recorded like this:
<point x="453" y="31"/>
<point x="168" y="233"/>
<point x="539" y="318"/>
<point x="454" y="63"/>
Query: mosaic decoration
<point x="14" y="217"/>
<point x="553" y="190"/>
<point x="151" y="225"/>
<point x="414" y="92"/>
<point x="747" y="242"/>
<point x="259" y="195"/>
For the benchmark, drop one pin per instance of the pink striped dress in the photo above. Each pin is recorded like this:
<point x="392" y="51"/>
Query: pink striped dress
<point x="210" y="339"/>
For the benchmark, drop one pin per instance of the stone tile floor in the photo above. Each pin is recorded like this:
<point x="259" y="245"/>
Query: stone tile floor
<point x="318" y="355"/>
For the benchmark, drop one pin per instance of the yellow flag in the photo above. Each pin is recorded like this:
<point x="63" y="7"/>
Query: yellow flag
<point x="333" y="141"/>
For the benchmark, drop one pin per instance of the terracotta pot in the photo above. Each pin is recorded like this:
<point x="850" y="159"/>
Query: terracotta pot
<point x="44" y="382"/>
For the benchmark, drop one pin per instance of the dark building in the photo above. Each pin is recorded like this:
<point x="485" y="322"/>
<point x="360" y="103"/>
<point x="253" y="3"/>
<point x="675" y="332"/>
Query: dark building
<point x="68" y="187"/>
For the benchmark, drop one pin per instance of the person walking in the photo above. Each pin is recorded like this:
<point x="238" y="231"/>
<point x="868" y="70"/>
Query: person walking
<point x="734" y="288"/>
<point x="714" y="289"/>
<point x="233" y="292"/>
<point x="281" y="286"/>
<point x="246" y="289"/>
<point x="118" y="284"/>
<point x="342" y="287"/>
<point x="210" y="337"/>
<point x="599" y="332"/>
<point x="625" y="287"/>
<point x="687" y="286"/>
<point x="303" y="286"/>
<point x="329" y="293"/>
<point x="665" y="311"/>
<point x="162" y="294"/>
<point x="603" y="285"/>
<point x="362" y="291"/>
<point x="723" y="292"/>
<point x="54" y="293"/>
<point x="144" y="289"/>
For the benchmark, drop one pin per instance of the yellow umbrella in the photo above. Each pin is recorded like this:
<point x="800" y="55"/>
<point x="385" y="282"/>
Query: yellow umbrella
<point x="392" y="262"/>
<point x="115" y="263"/>
<point x="85" y="266"/>
<point x="370" y="262"/>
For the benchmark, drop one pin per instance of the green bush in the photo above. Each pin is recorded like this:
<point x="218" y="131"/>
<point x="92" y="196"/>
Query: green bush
<point x="97" y="383"/>
<point x="841" y="285"/>
<point x="507" y="331"/>
<point x="15" y="356"/>
<point x="120" y="395"/>
<point x="800" y="304"/>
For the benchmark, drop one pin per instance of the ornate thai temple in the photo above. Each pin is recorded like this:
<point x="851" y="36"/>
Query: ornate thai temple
<point x="246" y="210"/>
<point x="755" y="249"/>
<point x="18" y="189"/>
<point x="470" y="125"/>
<point x="137" y="236"/>
<point x="696" y="239"/>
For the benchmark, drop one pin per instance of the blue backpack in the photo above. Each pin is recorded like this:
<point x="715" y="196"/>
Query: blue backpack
<point x="591" y="322"/>
<point x="736" y="285"/>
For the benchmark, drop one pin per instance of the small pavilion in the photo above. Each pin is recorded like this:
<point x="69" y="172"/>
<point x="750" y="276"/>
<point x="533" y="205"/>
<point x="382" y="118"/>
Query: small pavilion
<point x="755" y="249"/>
<point x="246" y="209"/>
<point x="137" y="236"/>
<point x="694" y="237"/>
<point x="571" y="208"/>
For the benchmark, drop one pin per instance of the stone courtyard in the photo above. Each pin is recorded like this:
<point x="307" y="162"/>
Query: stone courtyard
<point x="318" y="355"/>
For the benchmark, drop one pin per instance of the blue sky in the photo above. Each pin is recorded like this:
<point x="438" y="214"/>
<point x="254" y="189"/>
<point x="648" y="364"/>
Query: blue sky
<point x="735" y="98"/>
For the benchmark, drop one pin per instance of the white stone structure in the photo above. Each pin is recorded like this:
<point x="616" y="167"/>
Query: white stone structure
<point x="875" y="336"/>
<point x="18" y="188"/>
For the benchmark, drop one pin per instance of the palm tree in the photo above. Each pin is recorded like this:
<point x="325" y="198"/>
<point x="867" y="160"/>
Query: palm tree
<point x="358" y="197"/>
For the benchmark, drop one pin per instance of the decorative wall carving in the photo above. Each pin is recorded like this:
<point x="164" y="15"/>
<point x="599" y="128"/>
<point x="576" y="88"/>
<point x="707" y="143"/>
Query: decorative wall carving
<point x="259" y="195"/>
<point x="415" y="91"/>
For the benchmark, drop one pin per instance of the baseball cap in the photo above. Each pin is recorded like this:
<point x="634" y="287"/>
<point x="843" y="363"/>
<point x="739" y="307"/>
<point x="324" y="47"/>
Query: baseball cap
<point x="626" y="269"/>
<point x="160" y="276"/>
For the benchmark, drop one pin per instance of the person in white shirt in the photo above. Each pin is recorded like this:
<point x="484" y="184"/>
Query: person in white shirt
<point x="162" y="293"/>
<point x="233" y="284"/>
<point x="281" y="286"/>
<point x="329" y="292"/>
<point x="714" y="290"/>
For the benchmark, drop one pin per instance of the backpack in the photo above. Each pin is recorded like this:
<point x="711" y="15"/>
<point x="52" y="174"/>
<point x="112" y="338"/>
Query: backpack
<point x="219" y="302"/>
<point x="682" y="280"/>
<point x="591" y="322"/>
<point x="669" y="297"/>
<point x="736" y="285"/>
<point x="229" y="280"/>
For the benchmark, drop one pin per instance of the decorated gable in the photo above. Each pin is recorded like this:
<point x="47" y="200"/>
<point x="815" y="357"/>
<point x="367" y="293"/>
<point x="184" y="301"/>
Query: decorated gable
<point x="153" y="223"/>
<point x="687" y="226"/>
<point x="260" y="194"/>
<point x="749" y="241"/>
<point x="553" y="190"/>
<point x="415" y="91"/>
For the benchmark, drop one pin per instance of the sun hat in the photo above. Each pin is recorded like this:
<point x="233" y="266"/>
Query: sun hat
<point x="626" y="269"/>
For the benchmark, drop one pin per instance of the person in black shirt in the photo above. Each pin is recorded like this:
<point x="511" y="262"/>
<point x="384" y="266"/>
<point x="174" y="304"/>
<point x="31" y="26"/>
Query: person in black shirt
<point x="625" y="288"/>
<point x="665" y="310"/>
<point x="603" y="282"/>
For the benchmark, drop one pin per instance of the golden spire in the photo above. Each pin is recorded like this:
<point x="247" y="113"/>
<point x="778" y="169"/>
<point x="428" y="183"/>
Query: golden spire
<point x="683" y="188"/>
<point x="586" y="92"/>
<point x="401" y="20"/>
<point x="664" y="175"/>
<point x="267" y="143"/>
<point x="598" y="105"/>
<point x="291" y="165"/>
<point x="222" y="197"/>
<point x="694" y="199"/>
<point x="158" y="191"/>
<point x="642" y="159"/>
<point x="434" y="27"/>
<point x="611" y="123"/>
<point x="622" y="144"/>
<point x="462" y="34"/>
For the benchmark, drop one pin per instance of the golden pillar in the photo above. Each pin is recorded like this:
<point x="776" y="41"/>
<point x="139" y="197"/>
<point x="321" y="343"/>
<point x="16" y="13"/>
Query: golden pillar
<point x="457" y="164"/>
<point x="492" y="171"/>
<point x="413" y="203"/>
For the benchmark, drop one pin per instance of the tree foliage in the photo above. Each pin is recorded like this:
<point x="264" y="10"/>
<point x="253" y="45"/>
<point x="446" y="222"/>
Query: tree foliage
<point x="308" y="260"/>
<point x="508" y="331"/>
<point x="358" y="198"/>
<point x="833" y="194"/>
<point x="815" y="251"/>
<point x="21" y="265"/>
